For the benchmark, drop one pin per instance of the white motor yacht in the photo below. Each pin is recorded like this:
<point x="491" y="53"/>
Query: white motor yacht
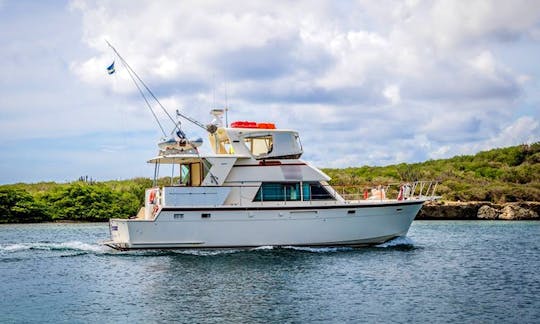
<point x="254" y="190"/>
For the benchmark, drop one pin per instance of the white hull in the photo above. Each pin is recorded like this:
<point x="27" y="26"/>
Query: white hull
<point x="226" y="227"/>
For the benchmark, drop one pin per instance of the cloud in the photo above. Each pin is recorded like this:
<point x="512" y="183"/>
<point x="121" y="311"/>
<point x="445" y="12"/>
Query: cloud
<point x="391" y="93"/>
<point x="364" y="82"/>
<point x="525" y="130"/>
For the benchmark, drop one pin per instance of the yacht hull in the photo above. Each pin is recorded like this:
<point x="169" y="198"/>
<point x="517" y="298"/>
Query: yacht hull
<point x="346" y="224"/>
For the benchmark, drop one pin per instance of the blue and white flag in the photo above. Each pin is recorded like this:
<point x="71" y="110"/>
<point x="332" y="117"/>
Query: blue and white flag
<point x="110" y="69"/>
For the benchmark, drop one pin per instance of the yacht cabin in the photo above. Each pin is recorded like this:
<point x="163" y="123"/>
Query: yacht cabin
<point x="251" y="164"/>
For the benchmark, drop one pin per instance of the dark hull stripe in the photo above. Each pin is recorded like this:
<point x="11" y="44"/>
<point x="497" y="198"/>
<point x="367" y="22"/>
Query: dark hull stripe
<point x="266" y="165"/>
<point x="351" y="206"/>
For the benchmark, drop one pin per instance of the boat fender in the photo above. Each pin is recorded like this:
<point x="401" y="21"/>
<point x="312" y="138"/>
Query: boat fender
<point x="155" y="210"/>
<point x="400" y="194"/>
<point x="366" y="194"/>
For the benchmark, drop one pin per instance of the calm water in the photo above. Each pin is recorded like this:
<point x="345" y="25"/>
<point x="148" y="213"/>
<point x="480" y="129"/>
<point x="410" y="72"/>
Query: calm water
<point x="442" y="272"/>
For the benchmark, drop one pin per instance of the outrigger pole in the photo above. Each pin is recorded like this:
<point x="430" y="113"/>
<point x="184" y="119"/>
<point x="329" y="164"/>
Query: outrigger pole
<point x="209" y="128"/>
<point x="134" y="75"/>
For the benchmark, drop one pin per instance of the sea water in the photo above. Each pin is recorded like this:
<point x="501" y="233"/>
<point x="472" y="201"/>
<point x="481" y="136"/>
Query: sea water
<point x="443" y="271"/>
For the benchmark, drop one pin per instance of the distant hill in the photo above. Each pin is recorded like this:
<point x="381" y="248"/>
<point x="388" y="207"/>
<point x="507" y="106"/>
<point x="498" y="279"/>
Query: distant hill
<point x="498" y="175"/>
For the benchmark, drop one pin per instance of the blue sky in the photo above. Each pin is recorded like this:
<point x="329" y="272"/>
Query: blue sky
<point x="365" y="82"/>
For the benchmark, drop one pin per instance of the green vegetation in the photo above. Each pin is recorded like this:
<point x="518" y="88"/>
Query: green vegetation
<point x="76" y="201"/>
<point x="499" y="175"/>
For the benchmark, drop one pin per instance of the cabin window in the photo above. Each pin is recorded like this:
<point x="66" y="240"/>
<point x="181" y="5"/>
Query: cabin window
<point x="184" y="174"/>
<point x="290" y="191"/>
<point x="278" y="191"/>
<point x="315" y="191"/>
<point x="259" y="145"/>
<point x="192" y="174"/>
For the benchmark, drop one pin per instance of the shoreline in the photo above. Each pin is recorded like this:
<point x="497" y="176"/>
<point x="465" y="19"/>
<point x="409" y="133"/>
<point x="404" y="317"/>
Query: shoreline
<point x="60" y="222"/>
<point x="433" y="210"/>
<point x="479" y="210"/>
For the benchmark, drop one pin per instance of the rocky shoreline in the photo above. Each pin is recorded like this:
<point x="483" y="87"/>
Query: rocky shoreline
<point x="479" y="210"/>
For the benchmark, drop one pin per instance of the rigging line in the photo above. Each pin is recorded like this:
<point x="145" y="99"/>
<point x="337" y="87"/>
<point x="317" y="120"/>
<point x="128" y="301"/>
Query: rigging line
<point x="146" y="100"/>
<point x="142" y="82"/>
<point x="128" y="67"/>
<point x="201" y="125"/>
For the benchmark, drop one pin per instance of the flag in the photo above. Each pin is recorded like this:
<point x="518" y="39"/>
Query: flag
<point x="110" y="69"/>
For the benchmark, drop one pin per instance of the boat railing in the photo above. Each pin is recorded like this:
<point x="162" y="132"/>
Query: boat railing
<point x="199" y="196"/>
<point x="425" y="190"/>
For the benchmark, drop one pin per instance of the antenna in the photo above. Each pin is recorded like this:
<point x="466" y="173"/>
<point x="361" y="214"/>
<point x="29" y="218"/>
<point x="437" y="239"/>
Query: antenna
<point x="226" y="107"/>
<point x="213" y="90"/>
<point x="217" y="113"/>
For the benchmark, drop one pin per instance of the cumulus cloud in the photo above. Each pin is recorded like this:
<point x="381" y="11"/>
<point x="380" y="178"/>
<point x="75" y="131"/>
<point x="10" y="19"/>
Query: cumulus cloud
<point x="365" y="82"/>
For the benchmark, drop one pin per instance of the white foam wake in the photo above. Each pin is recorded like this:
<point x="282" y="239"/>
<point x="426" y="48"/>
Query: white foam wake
<point x="398" y="241"/>
<point x="319" y="249"/>
<point x="52" y="246"/>
<point x="204" y="252"/>
<point x="262" y="248"/>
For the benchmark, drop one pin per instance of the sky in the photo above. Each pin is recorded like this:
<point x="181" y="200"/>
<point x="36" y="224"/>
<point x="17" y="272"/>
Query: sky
<point x="364" y="82"/>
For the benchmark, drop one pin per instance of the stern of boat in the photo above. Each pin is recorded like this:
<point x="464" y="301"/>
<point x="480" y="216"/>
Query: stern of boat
<point x="119" y="231"/>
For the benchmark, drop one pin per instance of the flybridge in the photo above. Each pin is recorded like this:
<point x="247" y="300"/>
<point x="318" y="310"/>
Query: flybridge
<point x="260" y="141"/>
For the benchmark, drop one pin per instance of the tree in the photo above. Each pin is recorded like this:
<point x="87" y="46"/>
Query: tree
<point x="91" y="202"/>
<point x="18" y="206"/>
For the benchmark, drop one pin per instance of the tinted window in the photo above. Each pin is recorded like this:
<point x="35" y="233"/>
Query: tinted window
<point x="315" y="191"/>
<point x="278" y="191"/>
<point x="290" y="191"/>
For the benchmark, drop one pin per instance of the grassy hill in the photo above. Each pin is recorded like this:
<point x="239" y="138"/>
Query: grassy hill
<point x="499" y="175"/>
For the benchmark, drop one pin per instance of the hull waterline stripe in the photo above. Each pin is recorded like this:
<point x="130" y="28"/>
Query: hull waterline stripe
<point x="266" y="165"/>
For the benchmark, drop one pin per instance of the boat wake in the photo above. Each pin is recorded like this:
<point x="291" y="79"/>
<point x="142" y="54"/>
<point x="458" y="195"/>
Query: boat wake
<point x="319" y="249"/>
<point x="203" y="252"/>
<point x="78" y="248"/>
<point x="259" y="249"/>
<point x="399" y="242"/>
<point x="53" y="246"/>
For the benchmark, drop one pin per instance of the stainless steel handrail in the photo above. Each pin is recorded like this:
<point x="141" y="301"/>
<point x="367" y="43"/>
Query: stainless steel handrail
<point x="402" y="191"/>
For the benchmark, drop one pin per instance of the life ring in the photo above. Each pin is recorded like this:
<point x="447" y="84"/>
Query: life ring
<point x="152" y="197"/>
